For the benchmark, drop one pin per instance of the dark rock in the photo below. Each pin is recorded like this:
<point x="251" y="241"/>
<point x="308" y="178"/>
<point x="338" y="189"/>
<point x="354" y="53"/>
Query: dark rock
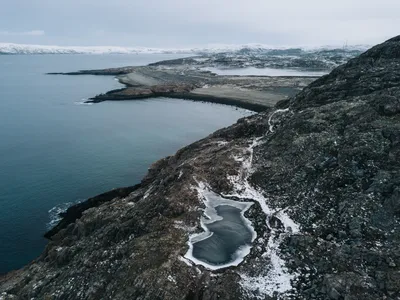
<point x="75" y="212"/>
<point x="106" y="72"/>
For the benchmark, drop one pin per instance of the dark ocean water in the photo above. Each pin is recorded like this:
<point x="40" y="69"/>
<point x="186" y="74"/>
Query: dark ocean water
<point x="55" y="150"/>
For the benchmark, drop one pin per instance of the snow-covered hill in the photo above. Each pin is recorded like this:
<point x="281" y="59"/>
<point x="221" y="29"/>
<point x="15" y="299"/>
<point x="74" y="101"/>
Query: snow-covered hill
<point x="9" y="48"/>
<point x="236" y="56"/>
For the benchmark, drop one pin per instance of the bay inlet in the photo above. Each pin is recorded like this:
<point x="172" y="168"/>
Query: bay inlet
<point x="54" y="151"/>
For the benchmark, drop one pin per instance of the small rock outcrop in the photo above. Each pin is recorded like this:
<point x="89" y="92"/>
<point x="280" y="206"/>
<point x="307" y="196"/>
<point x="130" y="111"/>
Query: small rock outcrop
<point x="323" y="171"/>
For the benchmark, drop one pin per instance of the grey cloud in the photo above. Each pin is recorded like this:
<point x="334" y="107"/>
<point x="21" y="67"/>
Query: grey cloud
<point x="183" y="23"/>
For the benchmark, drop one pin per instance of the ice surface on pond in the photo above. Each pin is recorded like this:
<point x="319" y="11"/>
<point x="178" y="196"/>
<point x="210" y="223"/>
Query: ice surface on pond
<point x="252" y="71"/>
<point x="227" y="235"/>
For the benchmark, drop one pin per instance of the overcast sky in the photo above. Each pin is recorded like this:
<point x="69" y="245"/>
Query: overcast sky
<point x="186" y="23"/>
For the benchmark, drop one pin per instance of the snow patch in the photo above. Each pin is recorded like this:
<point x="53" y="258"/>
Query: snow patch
<point x="222" y="143"/>
<point x="172" y="279"/>
<point x="147" y="193"/>
<point x="271" y="126"/>
<point x="237" y="158"/>
<point x="290" y="225"/>
<point x="277" y="279"/>
<point x="182" y="226"/>
<point x="185" y="261"/>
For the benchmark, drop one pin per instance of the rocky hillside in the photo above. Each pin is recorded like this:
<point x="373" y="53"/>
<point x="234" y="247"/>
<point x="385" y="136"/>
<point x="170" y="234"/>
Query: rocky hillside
<point x="259" y="57"/>
<point x="323" y="171"/>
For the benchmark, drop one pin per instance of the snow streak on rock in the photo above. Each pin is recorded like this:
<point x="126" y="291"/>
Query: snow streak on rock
<point x="270" y="123"/>
<point x="277" y="278"/>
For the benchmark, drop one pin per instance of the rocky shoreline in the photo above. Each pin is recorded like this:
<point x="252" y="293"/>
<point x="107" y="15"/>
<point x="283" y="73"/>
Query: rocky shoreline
<point x="322" y="171"/>
<point x="75" y="211"/>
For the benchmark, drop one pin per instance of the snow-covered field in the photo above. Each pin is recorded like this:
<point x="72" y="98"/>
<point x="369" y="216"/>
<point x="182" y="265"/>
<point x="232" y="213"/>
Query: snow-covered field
<point x="11" y="48"/>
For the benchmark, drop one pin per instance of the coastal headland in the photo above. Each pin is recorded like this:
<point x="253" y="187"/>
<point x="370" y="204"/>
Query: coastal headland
<point x="175" y="79"/>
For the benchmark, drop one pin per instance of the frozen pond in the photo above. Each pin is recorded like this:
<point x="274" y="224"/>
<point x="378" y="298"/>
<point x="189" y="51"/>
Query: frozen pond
<point x="252" y="71"/>
<point x="227" y="235"/>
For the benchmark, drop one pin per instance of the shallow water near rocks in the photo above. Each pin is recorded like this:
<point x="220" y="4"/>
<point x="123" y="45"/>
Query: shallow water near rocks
<point x="53" y="150"/>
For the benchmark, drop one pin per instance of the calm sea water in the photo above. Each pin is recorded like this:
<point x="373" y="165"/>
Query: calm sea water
<point x="55" y="150"/>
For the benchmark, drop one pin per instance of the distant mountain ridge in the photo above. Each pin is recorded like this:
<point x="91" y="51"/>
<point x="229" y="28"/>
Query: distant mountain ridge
<point x="10" y="48"/>
<point x="220" y="56"/>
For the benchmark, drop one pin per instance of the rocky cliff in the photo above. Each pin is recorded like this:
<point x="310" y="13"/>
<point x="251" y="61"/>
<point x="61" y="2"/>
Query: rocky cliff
<point x="323" y="172"/>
